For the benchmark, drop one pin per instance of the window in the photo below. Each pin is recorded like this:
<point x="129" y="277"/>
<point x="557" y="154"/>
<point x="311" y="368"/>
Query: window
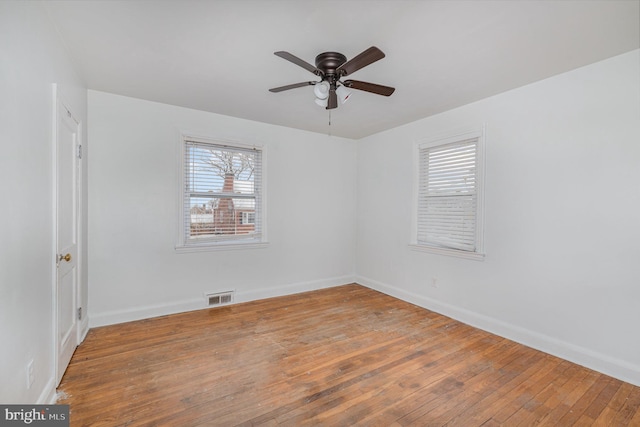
<point x="248" y="218"/>
<point x="221" y="198"/>
<point x="449" y="199"/>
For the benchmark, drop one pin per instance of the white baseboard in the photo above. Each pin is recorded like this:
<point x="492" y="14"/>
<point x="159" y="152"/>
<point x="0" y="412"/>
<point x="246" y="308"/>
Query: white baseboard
<point x="49" y="394"/>
<point x="608" y="365"/>
<point x="146" y="312"/>
<point x="139" y="313"/>
<point x="294" y="288"/>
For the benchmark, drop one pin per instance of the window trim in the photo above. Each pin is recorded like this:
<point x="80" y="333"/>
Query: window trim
<point x="181" y="246"/>
<point x="472" y="132"/>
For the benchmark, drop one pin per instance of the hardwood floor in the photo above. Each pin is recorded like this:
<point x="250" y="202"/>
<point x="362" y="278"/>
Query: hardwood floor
<point x="336" y="357"/>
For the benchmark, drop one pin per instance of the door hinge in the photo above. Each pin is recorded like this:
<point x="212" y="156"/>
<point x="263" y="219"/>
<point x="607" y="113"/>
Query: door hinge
<point x="79" y="151"/>
<point x="79" y="313"/>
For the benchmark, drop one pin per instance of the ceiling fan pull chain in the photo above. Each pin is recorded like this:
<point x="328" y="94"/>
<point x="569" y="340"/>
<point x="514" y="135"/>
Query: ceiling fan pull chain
<point x="329" y="133"/>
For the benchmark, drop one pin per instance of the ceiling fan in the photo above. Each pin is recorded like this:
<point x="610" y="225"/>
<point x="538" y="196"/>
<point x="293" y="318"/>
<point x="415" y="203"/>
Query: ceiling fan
<point x="331" y="67"/>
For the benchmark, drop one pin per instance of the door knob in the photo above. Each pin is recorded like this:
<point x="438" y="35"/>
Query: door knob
<point x="66" y="257"/>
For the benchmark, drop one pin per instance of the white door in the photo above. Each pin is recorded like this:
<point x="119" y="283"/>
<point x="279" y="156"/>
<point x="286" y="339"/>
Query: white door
<point x="67" y="175"/>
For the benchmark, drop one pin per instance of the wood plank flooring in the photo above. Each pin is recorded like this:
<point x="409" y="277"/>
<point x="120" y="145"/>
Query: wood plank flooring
<point x="343" y="356"/>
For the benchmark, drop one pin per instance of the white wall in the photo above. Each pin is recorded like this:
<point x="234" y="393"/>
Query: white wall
<point x="32" y="59"/>
<point x="562" y="270"/>
<point x="133" y="178"/>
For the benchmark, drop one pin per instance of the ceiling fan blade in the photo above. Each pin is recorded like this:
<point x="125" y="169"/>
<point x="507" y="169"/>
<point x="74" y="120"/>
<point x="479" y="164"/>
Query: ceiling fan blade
<point x="332" y="102"/>
<point x="369" y="87"/>
<point x="367" y="57"/>
<point x="304" y="64"/>
<point x="292" y="86"/>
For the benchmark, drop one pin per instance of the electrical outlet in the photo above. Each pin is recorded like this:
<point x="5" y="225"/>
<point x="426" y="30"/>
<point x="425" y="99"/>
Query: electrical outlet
<point x="30" y="374"/>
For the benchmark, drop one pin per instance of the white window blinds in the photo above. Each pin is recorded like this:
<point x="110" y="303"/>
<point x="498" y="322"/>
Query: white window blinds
<point x="448" y="195"/>
<point x="222" y="193"/>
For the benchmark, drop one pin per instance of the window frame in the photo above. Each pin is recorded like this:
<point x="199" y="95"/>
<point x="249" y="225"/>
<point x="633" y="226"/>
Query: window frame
<point x="183" y="245"/>
<point x="479" y="134"/>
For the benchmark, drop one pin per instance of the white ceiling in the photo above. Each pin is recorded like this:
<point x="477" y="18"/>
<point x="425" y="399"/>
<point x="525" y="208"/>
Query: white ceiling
<point x="217" y="55"/>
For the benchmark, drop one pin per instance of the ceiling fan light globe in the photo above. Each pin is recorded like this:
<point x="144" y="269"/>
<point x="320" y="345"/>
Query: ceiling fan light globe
<point x="343" y="94"/>
<point x="322" y="102"/>
<point x="321" y="90"/>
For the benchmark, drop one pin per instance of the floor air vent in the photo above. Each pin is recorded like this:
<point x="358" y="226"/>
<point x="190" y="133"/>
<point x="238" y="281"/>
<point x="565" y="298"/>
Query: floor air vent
<point x="219" y="298"/>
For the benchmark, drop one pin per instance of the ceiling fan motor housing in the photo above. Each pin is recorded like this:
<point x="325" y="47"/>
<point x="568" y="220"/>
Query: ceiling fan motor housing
<point x="328" y="63"/>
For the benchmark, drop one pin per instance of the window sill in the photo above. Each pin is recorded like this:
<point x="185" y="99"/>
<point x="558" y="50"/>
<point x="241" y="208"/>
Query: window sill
<point x="210" y="247"/>
<point x="449" y="252"/>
